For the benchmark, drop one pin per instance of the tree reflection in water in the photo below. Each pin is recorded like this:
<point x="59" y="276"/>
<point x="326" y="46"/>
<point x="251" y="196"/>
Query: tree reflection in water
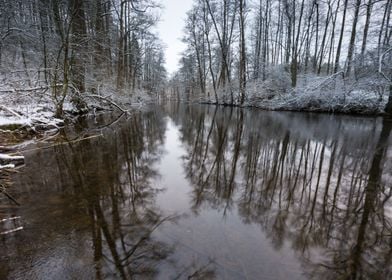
<point x="107" y="195"/>
<point x="318" y="181"/>
<point x="119" y="199"/>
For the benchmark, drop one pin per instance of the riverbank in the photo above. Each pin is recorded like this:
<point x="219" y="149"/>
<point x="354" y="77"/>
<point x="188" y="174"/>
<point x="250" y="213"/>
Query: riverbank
<point x="328" y="94"/>
<point x="27" y="118"/>
<point x="367" y="104"/>
<point x="35" y="112"/>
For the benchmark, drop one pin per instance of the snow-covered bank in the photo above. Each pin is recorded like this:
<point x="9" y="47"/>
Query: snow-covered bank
<point x="333" y="94"/>
<point x="37" y="110"/>
<point x="27" y="117"/>
<point x="27" y="110"/>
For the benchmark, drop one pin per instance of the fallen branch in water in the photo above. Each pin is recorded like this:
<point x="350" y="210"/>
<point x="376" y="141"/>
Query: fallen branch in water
<point x="96" y="96"/>
<point x="11" y="231"/>
<point x="13" y="223"/>
<point x="107" y="100"/>
<point x="6" y="149"/>
<point x="7" y="166"/>
<point x="11" y="160"/>
<point x="10" y="197"/>
<point x="64" y="143"/>
<point x="5" y="182"/>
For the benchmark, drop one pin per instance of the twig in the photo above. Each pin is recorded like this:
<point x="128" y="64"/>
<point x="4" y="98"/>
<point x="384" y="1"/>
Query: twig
<point x="11" y="231"/>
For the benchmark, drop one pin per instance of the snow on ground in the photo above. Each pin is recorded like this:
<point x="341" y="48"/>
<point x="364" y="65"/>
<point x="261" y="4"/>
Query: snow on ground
<point x="7" y="121"/>
<point x="7" y="166"/>
<point x="37" y="108"/>
<point x="313" y="93"/>
<point x="26" y="109"/>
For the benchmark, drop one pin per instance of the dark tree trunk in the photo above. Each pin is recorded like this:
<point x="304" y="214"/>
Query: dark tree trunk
<point x="242" y="79"/>
<point x="388" y="107"/>
<point x="337" y="59"/>
<point x="352" y="38"/>
<point x="78" y="46"/>
<point x="99" y="36"/>
<point x="120" y="62"/>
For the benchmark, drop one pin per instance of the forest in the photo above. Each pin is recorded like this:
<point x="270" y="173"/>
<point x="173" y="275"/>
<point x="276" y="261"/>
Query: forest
<point x="266" y="154"/>
<point x="332" y="55"/>
<point x="70" y="48"/>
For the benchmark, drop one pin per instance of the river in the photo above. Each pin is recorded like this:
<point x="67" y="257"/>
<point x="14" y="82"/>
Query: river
<point x="201" y="192"/>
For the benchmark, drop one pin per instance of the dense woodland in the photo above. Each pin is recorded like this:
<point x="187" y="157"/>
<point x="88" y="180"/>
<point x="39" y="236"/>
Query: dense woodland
<point x="78" y="46"/>
<point x="169" y="189"/>
<point x="332" y="55"/>
<point x="239" y="50"/>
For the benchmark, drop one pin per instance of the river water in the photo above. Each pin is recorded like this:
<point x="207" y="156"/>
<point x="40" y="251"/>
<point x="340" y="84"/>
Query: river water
<point x="198" y="192"/>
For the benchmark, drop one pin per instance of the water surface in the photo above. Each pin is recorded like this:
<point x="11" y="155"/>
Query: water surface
<point x="198" y="192"/>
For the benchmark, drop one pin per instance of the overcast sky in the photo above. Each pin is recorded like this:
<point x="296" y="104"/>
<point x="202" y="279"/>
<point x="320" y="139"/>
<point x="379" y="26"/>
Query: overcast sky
<point x="170" y="29"/>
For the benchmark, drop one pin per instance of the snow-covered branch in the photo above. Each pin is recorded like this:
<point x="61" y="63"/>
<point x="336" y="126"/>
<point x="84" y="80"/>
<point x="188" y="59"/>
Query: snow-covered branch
<point x="11" y="160"/>
<point x="107" y="100"/>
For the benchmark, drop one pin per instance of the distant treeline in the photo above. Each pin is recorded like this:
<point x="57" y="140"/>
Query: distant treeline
<point x="233" y="43"/>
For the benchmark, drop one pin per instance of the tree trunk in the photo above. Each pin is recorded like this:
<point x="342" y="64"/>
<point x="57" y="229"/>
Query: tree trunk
<point x="337" y="59"/>
<point x="99" y="38"/>
<point x="388" y="107"/>
<point x="365" y="31"/>
<point x="78" y="46"/>
<point x="351" y="45"/>
<point x="242" y="54"/>
<point x="120" y="58"/>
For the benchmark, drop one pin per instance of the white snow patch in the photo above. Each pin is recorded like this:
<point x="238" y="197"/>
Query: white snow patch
<point x="8" y="157"/>
<point x="7" y="166"/>
<point x="12" y="121"/>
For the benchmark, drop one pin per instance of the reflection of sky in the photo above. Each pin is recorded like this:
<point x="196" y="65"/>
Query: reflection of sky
<point x="279" y="224"/>
<point x="175" y="197"/>
<point x="213" y="235"/>
<point x="170" y="29"/>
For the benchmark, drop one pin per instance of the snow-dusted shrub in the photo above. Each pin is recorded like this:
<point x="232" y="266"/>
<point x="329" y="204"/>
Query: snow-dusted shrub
<point x="336" y="93"/>
<point x="276" y="83"/>
<point x="333" y="93"/>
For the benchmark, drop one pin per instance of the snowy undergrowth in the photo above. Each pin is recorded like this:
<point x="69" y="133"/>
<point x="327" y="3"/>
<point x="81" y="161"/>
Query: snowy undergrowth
<point x="27" y="110"/>
<point x="313" y="93"/>
<point x="36" y="108"/>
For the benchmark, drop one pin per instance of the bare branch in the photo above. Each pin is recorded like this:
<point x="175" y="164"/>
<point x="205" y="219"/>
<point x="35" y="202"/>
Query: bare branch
<point x="107" y="100"/>
<point x="380" y="65"/>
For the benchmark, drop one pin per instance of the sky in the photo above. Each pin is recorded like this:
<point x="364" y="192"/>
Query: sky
<point x="170" y="30"/>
